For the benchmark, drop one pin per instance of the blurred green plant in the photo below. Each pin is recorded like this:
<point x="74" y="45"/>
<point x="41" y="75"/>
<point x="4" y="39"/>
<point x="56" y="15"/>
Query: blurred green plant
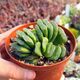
<point x="65" y="20"/>
<point x="73" y="11"/>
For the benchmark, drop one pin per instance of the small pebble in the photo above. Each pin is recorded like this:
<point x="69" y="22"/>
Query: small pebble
<point x="40" y="63"/>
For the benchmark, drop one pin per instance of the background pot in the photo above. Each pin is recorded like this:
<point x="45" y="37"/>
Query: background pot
<point x="50" y="72"/>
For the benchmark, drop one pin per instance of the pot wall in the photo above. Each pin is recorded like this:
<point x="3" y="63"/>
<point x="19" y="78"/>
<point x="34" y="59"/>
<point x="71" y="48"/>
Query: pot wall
<point x="50" y="72"/>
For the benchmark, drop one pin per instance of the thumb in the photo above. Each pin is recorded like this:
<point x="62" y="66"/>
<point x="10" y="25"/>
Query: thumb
<point x="10" y="70"/>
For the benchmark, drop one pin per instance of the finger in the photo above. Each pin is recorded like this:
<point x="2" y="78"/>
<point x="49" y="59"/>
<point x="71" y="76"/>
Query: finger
<point x="8" y="69"/>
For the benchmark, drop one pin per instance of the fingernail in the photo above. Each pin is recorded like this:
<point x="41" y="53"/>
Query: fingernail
<point x="29" y="75"/>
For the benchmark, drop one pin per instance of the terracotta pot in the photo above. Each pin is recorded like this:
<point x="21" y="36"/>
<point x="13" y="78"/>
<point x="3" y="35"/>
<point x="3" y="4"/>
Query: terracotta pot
<point x="77" y="58"/>
<point x="49" y="72"/>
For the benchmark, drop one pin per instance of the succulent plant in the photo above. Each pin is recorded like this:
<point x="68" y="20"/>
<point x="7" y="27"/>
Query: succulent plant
<point x="46" y="40"/>
<point x="73" y="10"/>
<point x="76" y="22"/>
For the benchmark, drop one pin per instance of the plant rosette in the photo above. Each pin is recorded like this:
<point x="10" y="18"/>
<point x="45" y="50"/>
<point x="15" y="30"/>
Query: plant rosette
<point x="43" y="47"/>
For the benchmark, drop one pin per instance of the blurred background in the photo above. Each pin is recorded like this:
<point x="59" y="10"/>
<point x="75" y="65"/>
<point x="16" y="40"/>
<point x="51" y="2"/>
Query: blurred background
<point x="15" y="12"/>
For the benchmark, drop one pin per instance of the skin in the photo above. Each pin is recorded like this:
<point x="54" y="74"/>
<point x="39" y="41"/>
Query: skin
<point x="11" y="70"/>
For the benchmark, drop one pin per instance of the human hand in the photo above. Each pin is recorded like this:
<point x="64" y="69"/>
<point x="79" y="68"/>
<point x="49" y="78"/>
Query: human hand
<point x="11" y="70"/>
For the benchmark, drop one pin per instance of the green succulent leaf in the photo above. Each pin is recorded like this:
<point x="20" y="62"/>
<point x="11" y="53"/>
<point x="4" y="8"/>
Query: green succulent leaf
<point x="20" y="48"/>
<point x="38" y="49"/>
<point x="26" y="38"/>
<point x="42" y="27"/>
<point x="61" y="37"/>
<point x="44" y="44"/>
<point x="49" y="27"/>
<point x="30" y="34"/>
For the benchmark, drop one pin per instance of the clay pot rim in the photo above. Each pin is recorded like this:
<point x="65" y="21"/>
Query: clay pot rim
<point x="30" y="65"/>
